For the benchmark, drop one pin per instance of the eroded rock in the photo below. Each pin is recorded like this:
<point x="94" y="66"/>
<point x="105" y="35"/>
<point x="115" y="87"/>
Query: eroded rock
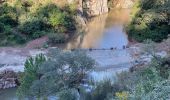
<point x="8" y="79"/>
<point x="95" y="7"/>
<point x="121" y="3"/>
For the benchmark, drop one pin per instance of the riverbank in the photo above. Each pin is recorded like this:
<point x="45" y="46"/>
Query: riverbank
<point x="106" y="59"/>
<point x="108" y="62"/>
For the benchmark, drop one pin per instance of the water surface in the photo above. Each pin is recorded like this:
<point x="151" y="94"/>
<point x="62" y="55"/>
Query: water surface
<point x="105" y="31"/>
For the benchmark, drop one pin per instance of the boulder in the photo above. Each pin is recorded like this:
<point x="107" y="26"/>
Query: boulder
<point x="8" y="79"/>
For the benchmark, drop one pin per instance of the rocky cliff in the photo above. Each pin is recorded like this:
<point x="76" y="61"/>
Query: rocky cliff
<point x="121" y="3"/>
<point x="95" y="7"/>
<point x="98" y="7"/>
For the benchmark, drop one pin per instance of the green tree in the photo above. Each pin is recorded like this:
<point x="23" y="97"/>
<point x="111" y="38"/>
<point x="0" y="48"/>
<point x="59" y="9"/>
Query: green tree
<point x="151" y="21"/>
<point x="64" y="70"/>
<point x="30" y="75"/>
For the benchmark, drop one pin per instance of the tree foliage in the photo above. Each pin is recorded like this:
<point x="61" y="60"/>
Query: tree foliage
<point x="151" y="22"/>
<point x="31" y="74"/>
<point x="32" y="19"/>
<point x="63" y="71"/>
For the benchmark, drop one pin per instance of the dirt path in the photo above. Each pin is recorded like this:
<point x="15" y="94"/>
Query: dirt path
<point x="37" y="43"/>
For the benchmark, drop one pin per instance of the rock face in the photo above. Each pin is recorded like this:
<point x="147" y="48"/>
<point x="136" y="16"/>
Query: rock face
<point x="92" y="7"/>
<point x="8" y="79"/>
<point x="98" y="7"/>
<point x="95" y="7"/>
<point x="121" y="3"/>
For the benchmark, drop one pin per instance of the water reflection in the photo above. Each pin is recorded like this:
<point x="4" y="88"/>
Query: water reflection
<point x="8" y="94"/>
<point x="105" y="31"/>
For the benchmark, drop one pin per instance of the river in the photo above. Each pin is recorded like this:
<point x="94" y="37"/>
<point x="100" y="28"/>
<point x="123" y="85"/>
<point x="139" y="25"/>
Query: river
<point x="105" y="31"/>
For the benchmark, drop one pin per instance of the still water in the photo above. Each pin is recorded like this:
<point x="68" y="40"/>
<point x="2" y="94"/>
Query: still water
<point x="105" y="31"/>
<point x="8" y="94"/>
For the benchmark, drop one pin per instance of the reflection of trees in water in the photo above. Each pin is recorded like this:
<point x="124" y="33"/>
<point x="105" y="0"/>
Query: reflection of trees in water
<point x="115" y="17"/>
<point x="95" y="31"/>
<point x="88" y="39"/>
<point x="96" y="27"/>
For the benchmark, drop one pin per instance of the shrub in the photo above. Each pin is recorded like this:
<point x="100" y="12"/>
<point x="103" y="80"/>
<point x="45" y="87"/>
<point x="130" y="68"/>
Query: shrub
<point x="102" y="91"/>
<point x="69" y="94"/>
<point x="56" y="19"/>
<point x="55" y="38"/>
<point x="65" y="73"/>
<point x="161" y="91"/>
<point x="33" y="20"/>
<point x="6" y="9"/>
<point x="8" y="20"/>
<point x="2" y="27"/>
<point x="60" y="20"/>
<point x="33" y="28"/>
<point x="38" y="34"/>
<point x="122" y="95"/>
<point x="71" y="8"/>
<point x="8" y="37"/>
<point x="151" y="22"/>
<point x="32" y="65"/>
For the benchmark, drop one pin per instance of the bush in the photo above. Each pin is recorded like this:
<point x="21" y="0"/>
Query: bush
<point x="42" y="81"/>
<point x="122" y="95"/>
<point x="6" y="9"/>
<point x="151" y="22"/>
<point x="32" y="65"/>
<point x="61" y="20"/>
<point x="161" y="91"/>
<point x="33" y="28"/>
<point x="8" y="20"/>
<point x="142" y="33"/>
<point x="33" y="19"/>
<point x="70" y="94"/>
<point x="57" y="20"/>
<point x="102" y="91"/>
<point x="55" y="38"/>
<point x="2" y="27"/>
<point x="8" y="37"/>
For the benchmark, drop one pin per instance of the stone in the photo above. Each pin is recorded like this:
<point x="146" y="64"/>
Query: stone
<point x="8" y="79"/>
<point x="121" y="3"/>
<point x="95" y="7"/>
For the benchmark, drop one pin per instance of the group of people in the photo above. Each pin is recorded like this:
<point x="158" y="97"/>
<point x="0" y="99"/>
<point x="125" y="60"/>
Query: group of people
<point x="124" y="47"/>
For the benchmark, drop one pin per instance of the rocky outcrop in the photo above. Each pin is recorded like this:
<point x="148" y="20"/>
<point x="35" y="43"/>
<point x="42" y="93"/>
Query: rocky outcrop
<point x="8" y="79"/>
<point x="121" y="3"/>
<point x="95" y="7"/>
<point x="98" y="7"/>
<point x="91" y="7"/>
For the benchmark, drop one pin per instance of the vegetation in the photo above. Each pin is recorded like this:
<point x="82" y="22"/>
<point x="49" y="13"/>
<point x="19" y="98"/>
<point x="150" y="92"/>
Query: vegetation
<point x="30" y="76"/>
<point x="64" y="74"/>
<point x="151" y="21"/>
<point x="61" y="74"/>
<point x="145" y="83"/>
<point x="23" y="20"/>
